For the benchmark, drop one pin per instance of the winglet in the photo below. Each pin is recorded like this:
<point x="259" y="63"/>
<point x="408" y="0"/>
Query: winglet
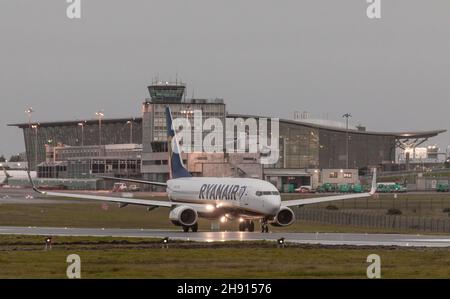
<point x="373" y="189"/>
<point x="7" y="175"/>
<point x="32" y="183"/>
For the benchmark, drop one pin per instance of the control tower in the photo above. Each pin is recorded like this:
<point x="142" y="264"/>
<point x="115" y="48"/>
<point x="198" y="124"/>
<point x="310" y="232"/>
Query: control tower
<point x="166" y="92"/>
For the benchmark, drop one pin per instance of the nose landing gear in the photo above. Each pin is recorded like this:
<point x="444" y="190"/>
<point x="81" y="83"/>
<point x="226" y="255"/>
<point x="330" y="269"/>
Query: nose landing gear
<point x="264" y="226"/>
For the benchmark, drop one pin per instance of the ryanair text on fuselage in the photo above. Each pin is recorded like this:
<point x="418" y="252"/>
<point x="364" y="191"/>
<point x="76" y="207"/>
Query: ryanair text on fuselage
<point x="221" y="191"/>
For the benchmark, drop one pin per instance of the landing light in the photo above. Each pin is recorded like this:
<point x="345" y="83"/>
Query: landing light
<point x="223" y="219"/>
<point x="48" y="243"/>
<point x="241" y="219"/>
<point x="280" y="243"/>
<point x="210" y="208"/>
<point x="165" y="242"/>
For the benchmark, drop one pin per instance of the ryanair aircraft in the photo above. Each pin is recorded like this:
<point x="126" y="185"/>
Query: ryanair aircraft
<point x="16" y="174"/>
<point x="215" y="198"/>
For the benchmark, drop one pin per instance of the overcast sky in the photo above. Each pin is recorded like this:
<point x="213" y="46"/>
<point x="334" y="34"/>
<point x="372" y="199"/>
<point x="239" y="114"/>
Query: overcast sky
<point x="262" y="57"/>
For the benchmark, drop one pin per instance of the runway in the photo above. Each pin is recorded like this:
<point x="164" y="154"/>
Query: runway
<point x="402" y="240"/>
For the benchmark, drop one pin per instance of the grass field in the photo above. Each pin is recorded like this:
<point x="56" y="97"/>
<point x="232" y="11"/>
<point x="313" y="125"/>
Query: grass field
<point x="23" y="257"/>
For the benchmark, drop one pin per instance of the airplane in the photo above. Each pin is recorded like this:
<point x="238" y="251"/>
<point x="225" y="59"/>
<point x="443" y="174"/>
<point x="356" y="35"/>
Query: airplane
<point x="214" y="198"/>
<point x="6" y="176"/>
<point x="18" y="174"/>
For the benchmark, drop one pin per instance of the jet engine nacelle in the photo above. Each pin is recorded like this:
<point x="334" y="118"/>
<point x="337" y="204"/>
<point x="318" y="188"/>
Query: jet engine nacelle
<point x="284" y="217"/>
<point x="183" y="216"/>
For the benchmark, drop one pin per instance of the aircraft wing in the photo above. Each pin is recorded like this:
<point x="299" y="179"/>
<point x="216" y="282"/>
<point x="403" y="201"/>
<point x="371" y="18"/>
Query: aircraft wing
<point x="307" y="201"/>
<point x="134" y="181"/>
<point x="124" y="201"/>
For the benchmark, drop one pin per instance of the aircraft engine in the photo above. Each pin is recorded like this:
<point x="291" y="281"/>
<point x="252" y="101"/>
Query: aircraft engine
<point x="183" y="216"/>
<point x="284" y="217"/>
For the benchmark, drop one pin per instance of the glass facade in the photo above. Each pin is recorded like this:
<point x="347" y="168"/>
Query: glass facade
<point x="306" y="147"/>
<point x="166" y="92"/>
<point x="117" y="131"/>
<point x="363" y="149"/>
<point x="299" y="146"/>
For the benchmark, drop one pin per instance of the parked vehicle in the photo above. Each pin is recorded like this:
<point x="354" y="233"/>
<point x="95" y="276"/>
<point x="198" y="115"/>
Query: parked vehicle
<point x="344" y="188"/>
<point x="133" y="188"/>
<point x="357" y="188"/>
<point x="390" y="188"/>
<point x="119" y="187"/>
<point x="441" y="187"/>
<point x="305" y="189"/>
<point x="327" y="187"/>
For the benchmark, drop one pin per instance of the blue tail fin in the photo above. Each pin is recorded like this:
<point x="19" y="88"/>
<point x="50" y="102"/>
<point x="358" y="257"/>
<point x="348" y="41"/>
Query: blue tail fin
<point x="177" y="168"/>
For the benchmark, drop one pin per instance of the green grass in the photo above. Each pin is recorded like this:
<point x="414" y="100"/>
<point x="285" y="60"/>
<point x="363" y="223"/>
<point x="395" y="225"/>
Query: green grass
<point x="123" y="258"/>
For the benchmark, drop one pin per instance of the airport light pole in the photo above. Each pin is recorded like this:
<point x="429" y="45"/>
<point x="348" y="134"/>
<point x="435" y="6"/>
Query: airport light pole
<point x="81" y="124"/>
<point x="29" y="111"/>
<point x="35" y="127"/>
<point x="131" y="130"/>
<point x="100" y="116"/>
<point x="347" y="116"/>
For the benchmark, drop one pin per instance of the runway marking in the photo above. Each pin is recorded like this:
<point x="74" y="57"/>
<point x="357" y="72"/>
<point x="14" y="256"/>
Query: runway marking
<point x="427" y="240"/>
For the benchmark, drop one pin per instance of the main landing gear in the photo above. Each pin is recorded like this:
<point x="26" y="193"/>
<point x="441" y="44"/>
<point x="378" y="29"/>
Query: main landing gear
<point x="194" y="228"/>
<point x="247" y="225"/>
<point x="264" y="226"/>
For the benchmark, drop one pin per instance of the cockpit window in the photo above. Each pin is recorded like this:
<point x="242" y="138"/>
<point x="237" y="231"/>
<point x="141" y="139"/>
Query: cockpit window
<point x="259" y="193"/>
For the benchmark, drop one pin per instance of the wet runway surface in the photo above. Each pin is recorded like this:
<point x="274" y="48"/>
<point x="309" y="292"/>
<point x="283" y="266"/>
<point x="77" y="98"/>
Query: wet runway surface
<point x="300" y="238"/>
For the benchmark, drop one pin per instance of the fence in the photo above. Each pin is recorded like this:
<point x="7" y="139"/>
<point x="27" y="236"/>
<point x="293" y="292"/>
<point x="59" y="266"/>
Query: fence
<point x="366" y="219"/>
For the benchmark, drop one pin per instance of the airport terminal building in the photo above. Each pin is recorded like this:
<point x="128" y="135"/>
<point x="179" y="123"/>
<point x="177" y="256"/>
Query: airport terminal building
<point x="309" y="153"/>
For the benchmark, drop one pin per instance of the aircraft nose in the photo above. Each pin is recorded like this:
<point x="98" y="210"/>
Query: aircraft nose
<point x="274" y="204"/>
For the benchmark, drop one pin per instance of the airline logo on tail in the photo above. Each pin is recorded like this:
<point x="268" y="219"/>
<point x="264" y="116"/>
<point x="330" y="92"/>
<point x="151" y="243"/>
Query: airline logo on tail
<point x="177" y="168"/>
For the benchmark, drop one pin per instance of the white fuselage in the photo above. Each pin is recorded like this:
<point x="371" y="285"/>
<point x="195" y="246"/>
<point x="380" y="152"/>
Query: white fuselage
<point x="243" y="196"/>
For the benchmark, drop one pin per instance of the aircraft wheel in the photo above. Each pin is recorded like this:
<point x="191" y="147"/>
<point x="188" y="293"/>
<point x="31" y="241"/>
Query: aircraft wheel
<point x="194" y="228"/>
<point x="251" y="226"/>
<point x="242" y="227"/>
<point x="186" y="229"/>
